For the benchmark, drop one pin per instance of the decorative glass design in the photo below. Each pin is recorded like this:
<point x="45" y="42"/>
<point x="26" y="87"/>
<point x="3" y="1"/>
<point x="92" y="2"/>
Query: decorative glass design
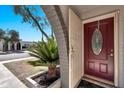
<point x="97" y="41"/>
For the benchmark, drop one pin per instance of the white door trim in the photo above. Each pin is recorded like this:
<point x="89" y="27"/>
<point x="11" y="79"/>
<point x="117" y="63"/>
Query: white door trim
<point x="116" y="30"/>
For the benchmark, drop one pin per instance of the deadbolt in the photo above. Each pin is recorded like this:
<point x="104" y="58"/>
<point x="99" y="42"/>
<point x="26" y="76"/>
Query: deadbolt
<point x="111" y="50"/>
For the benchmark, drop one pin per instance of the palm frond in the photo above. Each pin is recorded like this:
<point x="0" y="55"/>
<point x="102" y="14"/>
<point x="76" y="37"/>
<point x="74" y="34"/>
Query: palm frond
<point x="46" y="51"/>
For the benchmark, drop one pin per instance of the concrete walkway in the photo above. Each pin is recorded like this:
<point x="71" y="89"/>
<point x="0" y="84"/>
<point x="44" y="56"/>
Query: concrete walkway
<point x="8" y="79"/>
<point x="7" y="56"/>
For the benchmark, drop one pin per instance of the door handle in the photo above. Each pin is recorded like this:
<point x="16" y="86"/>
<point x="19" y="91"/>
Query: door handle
<point x="111" y="55"/>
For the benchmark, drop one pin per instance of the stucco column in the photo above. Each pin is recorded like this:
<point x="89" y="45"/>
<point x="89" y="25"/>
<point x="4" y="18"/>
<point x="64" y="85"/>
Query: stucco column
<point x="15" y="46"/>
<point x="55" y="17"/>
<point x="1" y="46"/>
<point x="9" y="46"/>
<point x="20" y="45"/>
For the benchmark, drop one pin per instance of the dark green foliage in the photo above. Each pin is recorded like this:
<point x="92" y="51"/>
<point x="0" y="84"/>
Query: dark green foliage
<point x="37" y="63"/>
<point x="2" y="34"/>
<point x="47" y="51"/>
<point x="13" y="35"/>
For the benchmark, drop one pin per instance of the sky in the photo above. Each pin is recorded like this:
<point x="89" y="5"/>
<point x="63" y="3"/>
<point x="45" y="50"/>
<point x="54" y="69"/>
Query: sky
<point x="9" y="20"/>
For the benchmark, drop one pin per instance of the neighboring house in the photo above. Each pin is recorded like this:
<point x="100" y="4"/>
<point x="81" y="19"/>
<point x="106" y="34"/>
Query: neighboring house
<point x="27" y="44"/>
<point x="20" y="45"/>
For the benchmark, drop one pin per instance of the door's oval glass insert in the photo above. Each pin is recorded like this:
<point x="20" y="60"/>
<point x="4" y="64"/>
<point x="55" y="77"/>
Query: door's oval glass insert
<point x="97" y="42"/>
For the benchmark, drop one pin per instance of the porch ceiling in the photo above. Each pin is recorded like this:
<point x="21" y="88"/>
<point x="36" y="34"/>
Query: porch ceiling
<point x="81" y="9"/>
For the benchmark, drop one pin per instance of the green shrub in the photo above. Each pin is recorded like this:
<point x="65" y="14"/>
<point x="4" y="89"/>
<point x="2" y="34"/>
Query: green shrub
<point x="37" y="63"/>
<point x="46" y="52"/>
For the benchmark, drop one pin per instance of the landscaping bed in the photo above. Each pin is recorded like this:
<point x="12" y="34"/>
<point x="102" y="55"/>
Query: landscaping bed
<point x="22" y="70"/>
<point x="42" y="80"/>
<point x="33" y="70"/>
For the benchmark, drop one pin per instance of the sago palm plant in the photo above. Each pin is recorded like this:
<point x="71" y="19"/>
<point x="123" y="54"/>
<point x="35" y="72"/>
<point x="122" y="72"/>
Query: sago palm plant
<point x="47" y="51"/>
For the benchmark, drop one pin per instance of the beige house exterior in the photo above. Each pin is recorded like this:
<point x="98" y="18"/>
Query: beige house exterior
<point x="76" y="33"/>
<point x="67" y="23"/>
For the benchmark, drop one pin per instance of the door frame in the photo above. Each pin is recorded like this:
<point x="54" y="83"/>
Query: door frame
<point x="114" y="14"/>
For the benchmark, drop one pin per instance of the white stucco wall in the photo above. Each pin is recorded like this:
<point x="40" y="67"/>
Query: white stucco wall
<point x="58" y="16"/>
<point x="1" y="45"/>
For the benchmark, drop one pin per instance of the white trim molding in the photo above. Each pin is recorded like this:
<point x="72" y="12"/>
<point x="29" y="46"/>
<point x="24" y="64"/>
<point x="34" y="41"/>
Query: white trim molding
<point x="114" y="14"/>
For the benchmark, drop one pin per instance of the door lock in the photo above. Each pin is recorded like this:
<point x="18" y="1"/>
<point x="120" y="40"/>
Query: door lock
<point x="111" y="55"/>
<point x="111" y="50"/>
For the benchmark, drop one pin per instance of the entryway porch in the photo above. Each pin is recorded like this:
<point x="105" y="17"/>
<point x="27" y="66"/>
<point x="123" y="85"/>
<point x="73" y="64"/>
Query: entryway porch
<point x="79" y="16"/>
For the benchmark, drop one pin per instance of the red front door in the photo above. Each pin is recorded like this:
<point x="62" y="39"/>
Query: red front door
<point x="99" y="49"/>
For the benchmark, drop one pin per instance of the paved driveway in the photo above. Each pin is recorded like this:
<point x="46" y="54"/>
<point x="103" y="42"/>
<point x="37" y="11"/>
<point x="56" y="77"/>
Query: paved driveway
<point x="4" y="57"/>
